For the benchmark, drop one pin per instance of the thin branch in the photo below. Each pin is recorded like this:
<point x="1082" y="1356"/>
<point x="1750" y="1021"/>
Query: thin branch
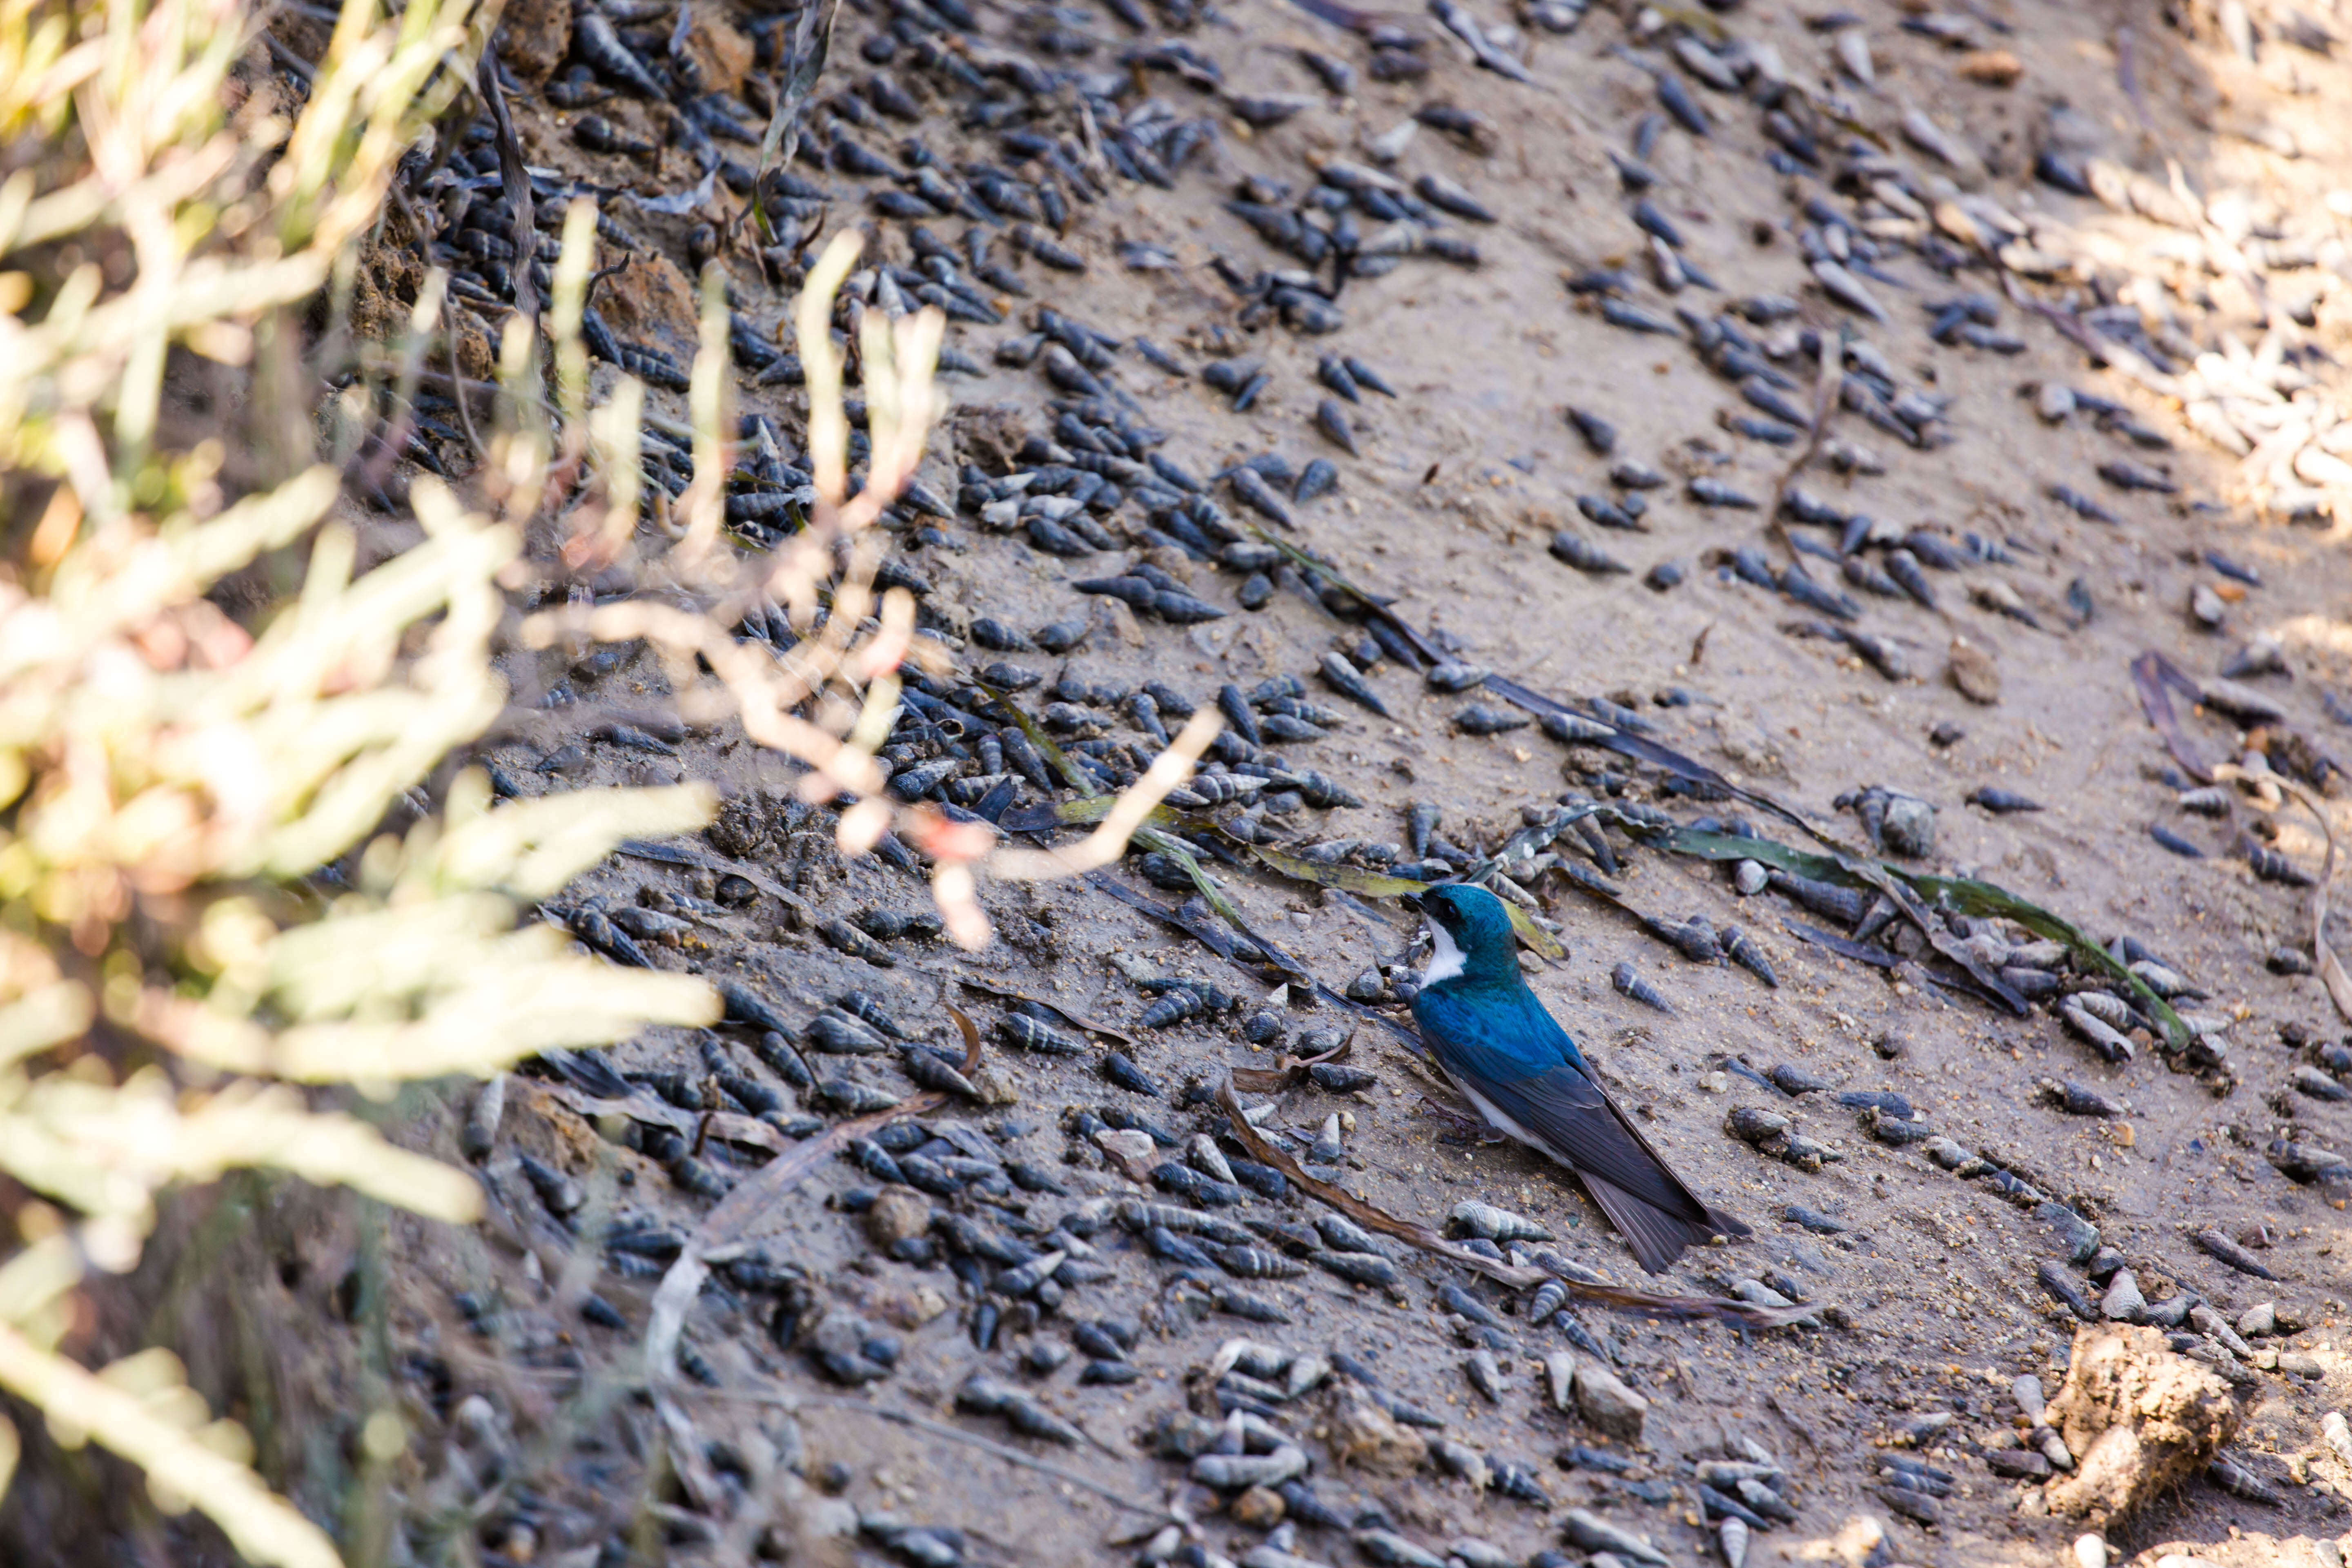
<point x="765" y="691"/>
<point x="514" y="180"/>
<point x="1829" y="387"/>
<point x="2331" y="969"/>
<point x="1650" y="1302"/>
<point x="758" y="1194"/>
<point x="1010" y="1455"/>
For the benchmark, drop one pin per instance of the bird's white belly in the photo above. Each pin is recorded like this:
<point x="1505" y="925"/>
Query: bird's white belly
<point x="1500" y="1123"/>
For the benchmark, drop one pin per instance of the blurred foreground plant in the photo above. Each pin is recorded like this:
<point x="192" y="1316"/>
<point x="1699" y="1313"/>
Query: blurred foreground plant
<point x="201" y="908"/>
<point x="183" y="935"/>
<point x="853" y="640"/>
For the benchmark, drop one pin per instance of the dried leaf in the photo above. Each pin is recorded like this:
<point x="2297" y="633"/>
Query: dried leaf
<point x="1207" y="932"/>
<point x="1091" y="1026"/>
<point x="1351" y="878"/>
<point x="646" y="1106"/>
<point x="1340" y="15"/>
<point x="681" y="204"/>
<point x="1182" y="853"/>
<point x="1080" y="814"/>
<point x="1963" y="894"/>
<point x="1532" y="935"/>
<point x="1289" y="1071"/>
<point x="1374" y="885"/>
<point x="1843" y="121"/>
<point x="1844" y="946"/>
<point x="2157" y="677"/>
<point x="1876" y="874"/>
<point x="1643" y="749"/>
<point x="812" y="40"/>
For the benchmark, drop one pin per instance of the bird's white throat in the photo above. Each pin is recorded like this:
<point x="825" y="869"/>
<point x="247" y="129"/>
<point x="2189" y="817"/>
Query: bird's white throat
<point x="1444" y="958"/>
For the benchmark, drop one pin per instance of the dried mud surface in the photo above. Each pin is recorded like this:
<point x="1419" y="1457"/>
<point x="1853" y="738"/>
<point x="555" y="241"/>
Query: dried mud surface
<point x="1460" y="483"/>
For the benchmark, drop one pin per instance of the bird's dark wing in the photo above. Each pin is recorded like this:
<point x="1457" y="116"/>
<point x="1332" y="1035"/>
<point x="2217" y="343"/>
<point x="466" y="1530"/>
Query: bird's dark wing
<point x="1516" y="1055"/>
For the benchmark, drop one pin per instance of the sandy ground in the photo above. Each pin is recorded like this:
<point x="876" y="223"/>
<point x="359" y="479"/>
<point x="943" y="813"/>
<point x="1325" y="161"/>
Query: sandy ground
<point x="1460" y="483"/>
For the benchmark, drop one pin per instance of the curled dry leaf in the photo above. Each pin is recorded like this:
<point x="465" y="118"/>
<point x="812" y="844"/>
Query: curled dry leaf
<point x="1288" y="1070"/>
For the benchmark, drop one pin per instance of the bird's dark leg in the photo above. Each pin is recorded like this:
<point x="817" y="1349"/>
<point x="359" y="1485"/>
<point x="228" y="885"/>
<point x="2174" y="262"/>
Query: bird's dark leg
<point x="1466" y="1123"/>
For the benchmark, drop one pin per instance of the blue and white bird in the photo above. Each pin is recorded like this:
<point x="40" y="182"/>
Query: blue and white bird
<point x="1525" y="1074"/>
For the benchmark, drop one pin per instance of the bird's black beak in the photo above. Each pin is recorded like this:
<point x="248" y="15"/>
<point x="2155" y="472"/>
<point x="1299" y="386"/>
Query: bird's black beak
<point x="1413" y="902"/>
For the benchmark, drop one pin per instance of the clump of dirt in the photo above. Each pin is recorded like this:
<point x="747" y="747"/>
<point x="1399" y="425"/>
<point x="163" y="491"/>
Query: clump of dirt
<point x="988" y="434"/>
<point x="385" y="289"/>
<point x="534" y="36"/>
<point x="2139" y="1418"/>
<point x="720" y="54"/>
<point x="477" y="357"/>
<point x="652" y="297"/>
<point x="747" y="827"/>
<point x="1366" y="1437"/>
